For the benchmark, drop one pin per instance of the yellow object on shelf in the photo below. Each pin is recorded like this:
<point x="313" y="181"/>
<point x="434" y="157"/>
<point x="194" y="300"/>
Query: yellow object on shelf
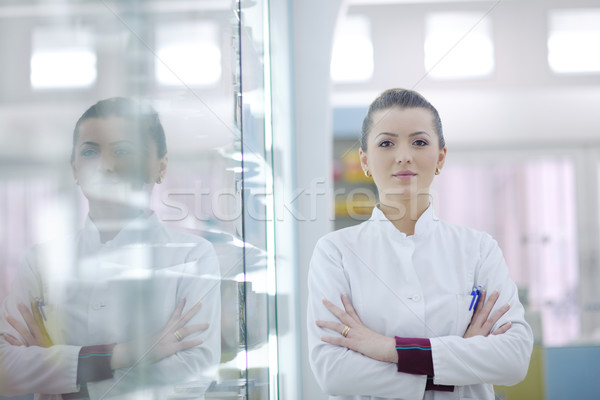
<point x="352" y="208"/>
<point x="532" y="388"/>
<point x="352" y="170"/>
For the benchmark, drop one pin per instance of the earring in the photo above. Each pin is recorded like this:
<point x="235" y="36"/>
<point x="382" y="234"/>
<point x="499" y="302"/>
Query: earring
<point x="437" y="171"/>
<point x="367" y="173"/>
<point x="159" y="180"/>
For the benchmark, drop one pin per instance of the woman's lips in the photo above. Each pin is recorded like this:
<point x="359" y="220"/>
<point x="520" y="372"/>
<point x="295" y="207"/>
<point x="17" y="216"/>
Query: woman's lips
<point x="404" y="175"/>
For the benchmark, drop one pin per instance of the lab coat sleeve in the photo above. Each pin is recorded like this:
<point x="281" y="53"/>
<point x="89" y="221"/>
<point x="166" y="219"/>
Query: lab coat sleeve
<point x="340" y="371"/>
<point x="198" y="282"/>
<point x="496" y="359"/>
<point x="32" y="369"/>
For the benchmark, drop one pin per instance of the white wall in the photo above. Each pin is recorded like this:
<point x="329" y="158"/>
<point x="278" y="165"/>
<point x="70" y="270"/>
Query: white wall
<point x="314" y="21"/>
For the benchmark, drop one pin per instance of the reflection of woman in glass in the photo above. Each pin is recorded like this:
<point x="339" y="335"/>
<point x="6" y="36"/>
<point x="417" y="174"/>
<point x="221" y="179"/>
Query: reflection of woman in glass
<point x="397" y="304"/>
<point x="126" y="303"/>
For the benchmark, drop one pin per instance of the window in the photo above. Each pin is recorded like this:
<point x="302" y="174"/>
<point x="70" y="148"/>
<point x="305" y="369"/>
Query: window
<point x="62" y="57"/>
<point x="352" y="57"/>
<point x="574" y="41"/>
<point x="188" y="54"/>
<point x="458" y="45"/>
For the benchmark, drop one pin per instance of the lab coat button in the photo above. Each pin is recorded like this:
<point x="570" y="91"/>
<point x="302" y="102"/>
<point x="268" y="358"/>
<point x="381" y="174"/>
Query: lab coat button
<point x="416" y="298"/>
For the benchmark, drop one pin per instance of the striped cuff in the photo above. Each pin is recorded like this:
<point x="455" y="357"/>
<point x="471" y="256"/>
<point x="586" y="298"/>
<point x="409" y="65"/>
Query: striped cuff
<point x="94" y="363"/>
<point x="414" y="357"/>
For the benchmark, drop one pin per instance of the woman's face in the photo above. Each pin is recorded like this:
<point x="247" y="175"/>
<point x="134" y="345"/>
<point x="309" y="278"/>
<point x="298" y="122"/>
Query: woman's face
<point x="112" y="162"/>
<point x="403" y="153"/>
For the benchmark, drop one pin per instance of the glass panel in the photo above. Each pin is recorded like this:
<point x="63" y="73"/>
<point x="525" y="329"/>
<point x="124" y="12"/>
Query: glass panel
<point x="261" y="340"/>
<point x="62" y="57"/>
<point x="199" y="231"/>
<point x="188" y="52"/>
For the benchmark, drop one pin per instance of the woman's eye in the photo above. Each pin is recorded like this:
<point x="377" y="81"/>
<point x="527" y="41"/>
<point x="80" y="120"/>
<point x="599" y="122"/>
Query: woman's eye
<point x="386" y="143"/>
<point x="123" y="152"/>
<point x="420" y="142"/>
<point x="87" y="153"/>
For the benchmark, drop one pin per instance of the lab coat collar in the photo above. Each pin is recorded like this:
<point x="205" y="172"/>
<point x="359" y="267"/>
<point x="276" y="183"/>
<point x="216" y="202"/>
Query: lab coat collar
<point x="138" y="230"/>
<point x="425" y="223"/>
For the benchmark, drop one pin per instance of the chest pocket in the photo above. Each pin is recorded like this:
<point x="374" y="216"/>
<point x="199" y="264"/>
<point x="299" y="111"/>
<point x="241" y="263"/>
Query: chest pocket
<point x="62" y="310"/>
<point x="464" y="313"/>
<point x="51" y="324"/>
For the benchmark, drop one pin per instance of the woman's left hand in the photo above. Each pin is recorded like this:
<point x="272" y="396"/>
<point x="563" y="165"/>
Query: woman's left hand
<point x="34" y="334"/>
<point x="482" y="322"/>
<point x="358" y="338"/>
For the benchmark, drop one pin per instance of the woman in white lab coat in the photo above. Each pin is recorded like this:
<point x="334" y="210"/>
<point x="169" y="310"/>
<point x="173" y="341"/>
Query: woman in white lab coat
<point x="125" y="304"/>
<point x="397" y="304"/>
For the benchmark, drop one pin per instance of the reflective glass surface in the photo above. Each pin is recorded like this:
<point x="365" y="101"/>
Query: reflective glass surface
<point x="135" y="195"/>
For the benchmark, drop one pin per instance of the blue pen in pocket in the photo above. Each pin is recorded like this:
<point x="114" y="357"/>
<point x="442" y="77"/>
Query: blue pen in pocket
<point x="40" y="306"/>
<point x="476" y="293"/>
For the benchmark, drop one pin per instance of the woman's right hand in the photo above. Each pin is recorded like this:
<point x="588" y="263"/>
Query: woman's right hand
<point x="481" y="321"/>
<point x="167" y="342"/>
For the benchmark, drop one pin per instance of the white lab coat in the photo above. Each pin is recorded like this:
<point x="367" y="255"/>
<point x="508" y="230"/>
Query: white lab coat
<point x="97" y="293"/>
<point x="414" y="286"/>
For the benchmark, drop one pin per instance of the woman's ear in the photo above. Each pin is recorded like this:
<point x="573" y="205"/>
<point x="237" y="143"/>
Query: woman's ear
<point x="74" y="171"/>
<point x="162" y="169"/>
<point x="442" y="158"/>
<point x="363" y="161"/>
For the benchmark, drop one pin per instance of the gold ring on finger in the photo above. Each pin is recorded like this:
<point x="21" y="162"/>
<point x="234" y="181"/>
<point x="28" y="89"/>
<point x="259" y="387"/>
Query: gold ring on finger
<point x="345" y="331"/>
<point x="178" y="336"/>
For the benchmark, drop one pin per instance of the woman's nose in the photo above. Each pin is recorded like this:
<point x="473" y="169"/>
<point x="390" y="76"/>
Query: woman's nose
<point x="107" y="164"/>
<point x="403" y="155"/>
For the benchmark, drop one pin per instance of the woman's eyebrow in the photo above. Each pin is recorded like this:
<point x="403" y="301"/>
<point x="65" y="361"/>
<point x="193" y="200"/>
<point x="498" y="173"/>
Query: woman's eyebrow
<point x="396" y="135"/>
<point x="419" y="133"/>
<point x="118" y="142"/>
<point x="387" y="134"/>
<point x="89" y="144"/>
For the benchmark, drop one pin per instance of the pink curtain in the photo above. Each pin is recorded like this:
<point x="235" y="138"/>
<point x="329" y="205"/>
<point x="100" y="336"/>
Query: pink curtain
<point x="529" y="207"/>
